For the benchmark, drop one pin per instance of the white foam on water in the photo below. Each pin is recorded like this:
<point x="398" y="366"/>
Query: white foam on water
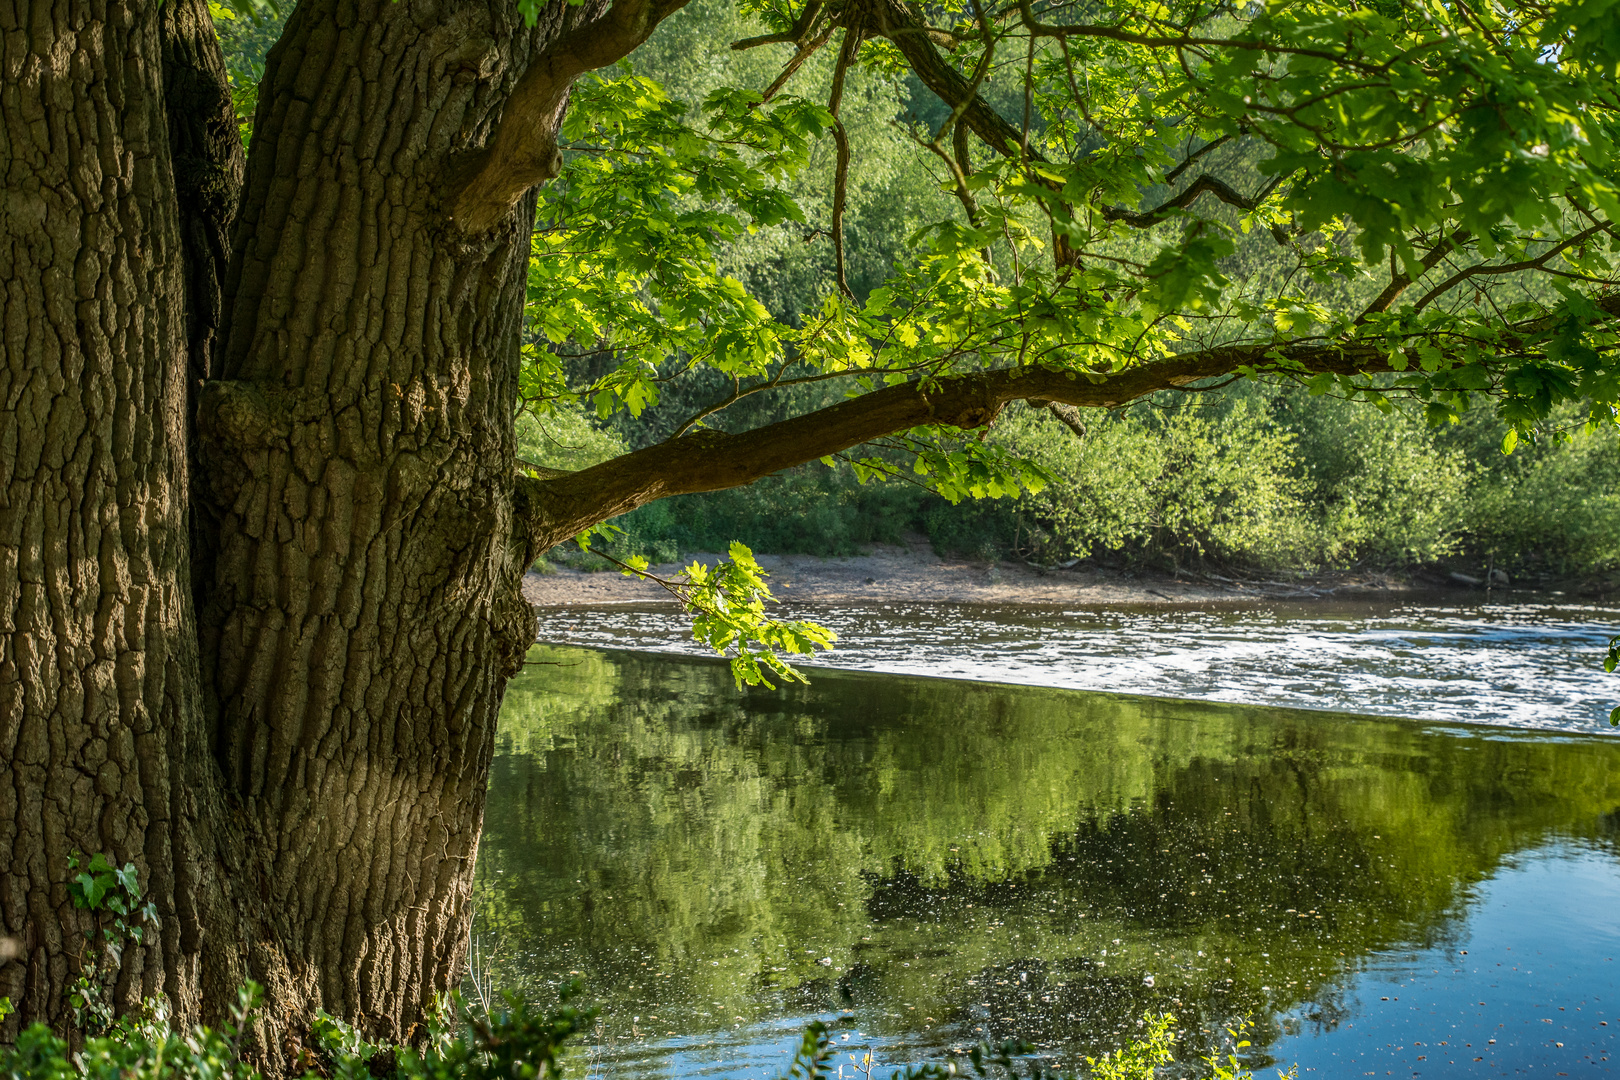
<point x="1529" y="666"/>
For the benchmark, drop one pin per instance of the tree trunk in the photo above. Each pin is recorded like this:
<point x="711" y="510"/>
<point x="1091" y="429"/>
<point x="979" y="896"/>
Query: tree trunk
<point x="287" y="721"/>
<point x="101" y="730"/>
<point x="293" y="748"/>
<point x="363" y="610"/>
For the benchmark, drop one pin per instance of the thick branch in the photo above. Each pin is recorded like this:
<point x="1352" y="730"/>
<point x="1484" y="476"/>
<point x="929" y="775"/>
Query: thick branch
<point x="1068" y="416"/>
<point x="710" y="460"/>
<point x="553" y="510"/>
<point x="846" y="57"/>
<point x="523" y="151"/>
<point x="894" y="20"/>
<point x="795" y="34"/>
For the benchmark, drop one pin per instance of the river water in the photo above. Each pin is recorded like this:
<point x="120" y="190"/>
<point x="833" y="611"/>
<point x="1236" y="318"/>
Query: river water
<point x="1523" y="665"/>
<point x="925" y="863"/>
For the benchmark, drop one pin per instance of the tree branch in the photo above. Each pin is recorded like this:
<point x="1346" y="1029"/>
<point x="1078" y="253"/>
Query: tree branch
<point x="523" y="151"/>
<point x="708" y="460"/>
<point x="1068" y="416"/>
<point x="552" y="509"/>
<point x="1507" y="268"/>
<point x="1400" y="282"/>
<point x="807" y="50"/>
<point x="835" y="100"/>
<point x="793" y="35"/>
<point x="1205" y="183"/>
<point x="892" y="19"/>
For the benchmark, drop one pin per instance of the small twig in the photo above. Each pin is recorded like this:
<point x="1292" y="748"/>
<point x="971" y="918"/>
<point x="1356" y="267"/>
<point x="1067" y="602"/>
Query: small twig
<point x="806" y="50"/>
<point x="680" y="590"/>
<point x="1185" y="40"/>
<point x="1205" y="183"/>
<point x="835" y="98"/>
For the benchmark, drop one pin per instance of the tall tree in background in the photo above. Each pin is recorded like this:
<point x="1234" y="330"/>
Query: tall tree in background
<point x="262" y="526"/>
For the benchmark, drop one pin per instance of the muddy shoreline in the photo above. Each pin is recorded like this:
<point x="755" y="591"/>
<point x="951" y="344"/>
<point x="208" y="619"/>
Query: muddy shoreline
<point x="915" y="573"/>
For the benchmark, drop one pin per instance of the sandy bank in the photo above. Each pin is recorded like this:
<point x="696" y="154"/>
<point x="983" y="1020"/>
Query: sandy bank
<point x="914" y="573"/>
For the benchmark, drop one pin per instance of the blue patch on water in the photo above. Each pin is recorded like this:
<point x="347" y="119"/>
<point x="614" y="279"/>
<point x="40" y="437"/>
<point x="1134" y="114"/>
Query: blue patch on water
<point x="1528" y="986"/>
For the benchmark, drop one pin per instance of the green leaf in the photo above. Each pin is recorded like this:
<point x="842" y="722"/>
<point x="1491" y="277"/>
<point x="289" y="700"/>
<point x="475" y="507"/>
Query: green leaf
<point x="130" y="880"/>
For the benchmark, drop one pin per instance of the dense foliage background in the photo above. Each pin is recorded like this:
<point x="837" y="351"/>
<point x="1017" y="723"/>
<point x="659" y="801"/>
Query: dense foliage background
<point x="1259" y="476"/>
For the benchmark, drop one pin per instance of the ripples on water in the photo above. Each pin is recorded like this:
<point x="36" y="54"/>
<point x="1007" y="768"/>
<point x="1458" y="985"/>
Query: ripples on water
<point x="1518" y="665"/>
<point x="925" y="863"/>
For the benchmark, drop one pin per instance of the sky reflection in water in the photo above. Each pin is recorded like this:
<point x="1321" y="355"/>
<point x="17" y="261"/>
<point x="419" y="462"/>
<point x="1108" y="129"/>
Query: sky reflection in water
<point x="926" y="863"/>
<point x="1532" y="666"/>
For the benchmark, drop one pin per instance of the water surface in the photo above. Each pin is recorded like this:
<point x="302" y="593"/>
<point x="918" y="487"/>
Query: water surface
<point x="1520" y="665"/>
<point x="926" y="863"/>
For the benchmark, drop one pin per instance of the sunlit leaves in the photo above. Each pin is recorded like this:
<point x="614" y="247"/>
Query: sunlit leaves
<point x="1410" y="181"/>
<point x="1610" y="662"/>
<point x="727" y="602"/>
<point x="624" y="257"/>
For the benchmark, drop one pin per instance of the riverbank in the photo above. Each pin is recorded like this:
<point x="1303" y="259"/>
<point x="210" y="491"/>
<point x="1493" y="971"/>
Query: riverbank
<point x="913" y="572"/>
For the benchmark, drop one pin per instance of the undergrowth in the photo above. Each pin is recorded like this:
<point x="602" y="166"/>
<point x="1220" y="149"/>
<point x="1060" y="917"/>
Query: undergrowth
<point x="510" y="1042"/>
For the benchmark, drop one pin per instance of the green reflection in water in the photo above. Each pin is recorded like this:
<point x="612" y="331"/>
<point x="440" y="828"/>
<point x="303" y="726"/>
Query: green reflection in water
<point x="954" y="861"/>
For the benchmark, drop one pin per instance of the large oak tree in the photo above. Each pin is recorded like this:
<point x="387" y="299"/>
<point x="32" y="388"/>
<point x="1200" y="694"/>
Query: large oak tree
<point x="261" y="521"/>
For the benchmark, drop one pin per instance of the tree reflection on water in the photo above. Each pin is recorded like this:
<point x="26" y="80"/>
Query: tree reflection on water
<point x="941" y="862"/>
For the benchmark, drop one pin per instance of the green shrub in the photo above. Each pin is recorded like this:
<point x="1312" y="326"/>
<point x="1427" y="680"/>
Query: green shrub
<point x="1555" y="504"/>
<point x="1186" y="486"/>
<point x="512" y="1042"/>
<point x="1380" y="487"/>
<point x="140" y="1047"/>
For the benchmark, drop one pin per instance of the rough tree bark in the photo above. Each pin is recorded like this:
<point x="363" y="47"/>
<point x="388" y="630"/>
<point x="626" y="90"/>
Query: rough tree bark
<point x="361" y="617"/>
<point x="289" y="733"/>
<point x="100" y="719"/>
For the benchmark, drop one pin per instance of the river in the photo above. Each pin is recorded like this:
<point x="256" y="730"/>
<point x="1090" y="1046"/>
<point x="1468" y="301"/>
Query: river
<point x="1521" y="665"/>
<point x="924" y="862"/>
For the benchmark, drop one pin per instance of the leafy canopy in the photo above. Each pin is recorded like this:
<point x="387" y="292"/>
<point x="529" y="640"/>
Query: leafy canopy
<point x="1438" y="183"/>
<point x="1383" y="201"/>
